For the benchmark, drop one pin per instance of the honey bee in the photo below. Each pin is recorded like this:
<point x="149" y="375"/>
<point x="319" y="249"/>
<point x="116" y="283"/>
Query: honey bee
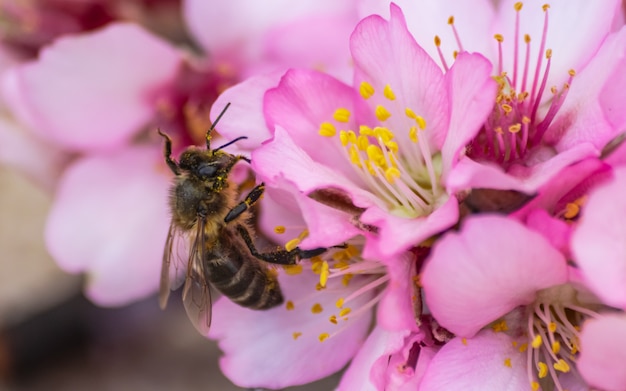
<point x="210" y="241"/>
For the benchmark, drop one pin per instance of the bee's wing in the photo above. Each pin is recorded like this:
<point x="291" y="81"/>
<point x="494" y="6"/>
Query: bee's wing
<point x="175" y="261"/>
<point x="197" y="293"/>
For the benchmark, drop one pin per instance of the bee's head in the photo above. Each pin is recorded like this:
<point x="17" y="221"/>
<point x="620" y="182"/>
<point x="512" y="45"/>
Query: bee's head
<point x="205" y="165"/>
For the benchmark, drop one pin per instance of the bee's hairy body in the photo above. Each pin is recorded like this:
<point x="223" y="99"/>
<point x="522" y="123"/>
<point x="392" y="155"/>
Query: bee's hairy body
<point x="230" y="267"/>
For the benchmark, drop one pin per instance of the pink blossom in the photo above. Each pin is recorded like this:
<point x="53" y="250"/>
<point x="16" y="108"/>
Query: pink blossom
<point x="393" y="182"/>
<point x="496" y="276"/>
<point x="552" y="107"/>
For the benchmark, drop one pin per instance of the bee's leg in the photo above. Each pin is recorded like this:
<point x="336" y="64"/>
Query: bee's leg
<point x="279" y="257"/>
<point x="167" y="152"/>
<point x="250" y="199"/>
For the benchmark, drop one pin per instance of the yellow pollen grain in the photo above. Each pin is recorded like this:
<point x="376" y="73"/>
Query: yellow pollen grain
<point x="507" y="362"/>
<point x="383" y="134"/>
<point x="515" y="128"/>
<point x="556" y="347"/>
<point x="362" y="142"/>
<point x="393" y="146"/>
<point x="343" y="137"/>
<point x="537" y="341"/>
<point x="451" y="20"/>
<point x="366" y="90"/>
<point x="382" y="113"/>
<point x="339" y="302"/>
<point x="324" y="274"/>
<point x="545" y="7"/>
<point x="280" y="229"/>
<point x="464" y="341"/>
<point x="523" y="347"/>
<point x="499" y="38"/>
<point x="333" y="319"/>
<point x="342" y="115"/>
<point x="344" y="312"/>
<point x="289" y="305"/>
<point x="518" y="6"/>
<point x="526" y="38"/>
<point x="293" y="270"/>
<point x="413" y="134"/>
<point x="327" y="129"/>
<point x="561" y="366"/>
<point x="375" y="154"/>
<point x="543" y="369"/>
<point x="346" y="279"/>
<point x="388" y="92"/>
<point x="437" y="41"/>
<point x="292" y="244"/>
<point x="323" y="337"/>
<point x="552" y="327"/>
<point x="534" y="385"/>
<point x="317" y="308"/>
<point x="549" y="53"/>
<point x="391" y="174"/>
<point x="421" y="122"/>
<point x="296" y="335"/>
<point x="366" y="130"/>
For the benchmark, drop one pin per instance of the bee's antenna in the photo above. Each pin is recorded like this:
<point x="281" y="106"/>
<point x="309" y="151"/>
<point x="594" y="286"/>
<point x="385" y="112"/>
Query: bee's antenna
<point x="208" y="133"/>
<point x="231" y="142"/>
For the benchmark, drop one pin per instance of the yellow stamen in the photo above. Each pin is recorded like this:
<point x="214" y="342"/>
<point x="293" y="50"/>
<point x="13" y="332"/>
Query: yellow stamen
<point x="280" y="229"/>
<point x="437" y="41"/>
<point x="293" y="243"/>
<point x="343" y="137"/>
<point x="346" y="279"/>
<point x="572" y="72"/>
<point x="561" y="366"/>
<point x="324" y="274"/>
<point x="421" y="122"/>
<point x="518" y="6"/>
<point x="354" y="156"/>
<point x="464" y="341"/>
<point x="352" y="251"/>
<point x="392" y="173"/>
<point x="375" y="154"/>
<point x="344" y="312"/>
<point x="523" y="347"/>
<point x="526" y="38"/>
<point x="289" y="305"/>
<point x="327" y="129"/>
<point x="362" y="142"/>
<point x="534" y="385"/>
<point x="319" y="287"/>
<point x="388" y="92"/>
<point x="366" y="130"/>
<point x="552" y="327"/>
<point x="296" y="335"/>
<point x="537" y="341"/>
<point x="381" y="113"/>
<point x="556" y="347"/>
<point x="323" y="337"/>
<point x="333" y="319"/>
<point x="549" y="53"/>
<point x="545" y="7"/>
<point x="571" y="210"/>
<point x="451" y="20"/>
<point x="317" y="308"/>
<point x="543" y="369"/>
<point x="413" y="134"/>
<point x="366" y="90"/>
<point x="342" y="115"/>
<point x="507" y="362"/>
<point x="515" y="128"/>
<point x="500" y="326"/>
<point x="499" y="38"/>
<point x="316" y="265"/>
<point x="339" y="302"/>
<point x="293" y="270"/>
<point x="303" y="234"/>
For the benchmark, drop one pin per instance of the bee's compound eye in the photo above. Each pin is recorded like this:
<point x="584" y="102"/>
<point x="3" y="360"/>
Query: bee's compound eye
<point x="206" y="170"/>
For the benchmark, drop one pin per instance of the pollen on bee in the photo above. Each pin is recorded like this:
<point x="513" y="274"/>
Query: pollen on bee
<point x="317" y="308"/>
<point x="292" y="244"/>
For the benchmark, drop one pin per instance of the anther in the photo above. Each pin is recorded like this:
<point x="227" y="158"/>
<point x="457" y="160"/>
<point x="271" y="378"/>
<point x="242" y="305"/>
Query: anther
<point x="342" y="115"/>
<point x="323" y="337"/>
<point x="317" y="308"/>
<point x="382" y="113"/>
<point x="366" y="90"/>
<point x="327" y="129"/>
<point x="280" y="229"/>
<point x="388" y="92"/>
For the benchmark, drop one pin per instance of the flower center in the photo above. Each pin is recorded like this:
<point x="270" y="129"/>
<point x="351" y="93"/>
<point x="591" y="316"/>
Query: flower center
<point x="550" y="337"/>
<point x="360" y="279"/>
<point x="519" y="119"/>
<point x="404" y="174"/>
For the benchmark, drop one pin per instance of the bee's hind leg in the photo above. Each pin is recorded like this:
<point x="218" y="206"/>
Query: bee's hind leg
<point x="250" y="199"/>
<point x="279" y="257"/>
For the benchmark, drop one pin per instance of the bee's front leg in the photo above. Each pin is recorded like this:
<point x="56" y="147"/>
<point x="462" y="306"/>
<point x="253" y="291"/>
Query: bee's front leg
<point x="250" y="200"/>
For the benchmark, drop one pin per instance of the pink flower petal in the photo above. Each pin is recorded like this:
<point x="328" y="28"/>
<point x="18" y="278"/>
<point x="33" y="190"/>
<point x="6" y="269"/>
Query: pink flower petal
<point x="396" y="309"/>
<point x="598" y="242"/>
<point x="302" y="102"/>
<point x="244" y="116"/>
<point x="603" y="352"/>
<point x="260" y="349"/>
<point x="425" y="19"/>
<point x="93" y="91"/>
<point x="397" y="234"/>
<point x="592" y="108"/>
<point x="385" y="53"/>
<point x="491" y="266"/>
<point x="555" y="230"/>
<point x="110" y="221"/>
<point x="472" y="93"/>
<point x="489" y="361"/>
<point x="380" y="343"/>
